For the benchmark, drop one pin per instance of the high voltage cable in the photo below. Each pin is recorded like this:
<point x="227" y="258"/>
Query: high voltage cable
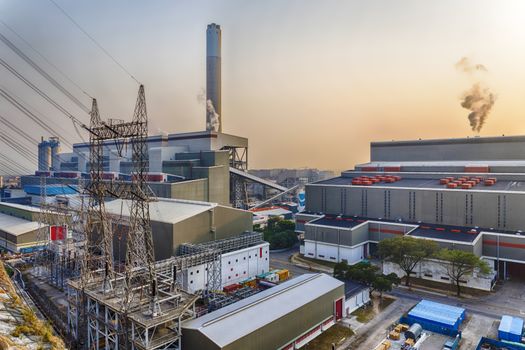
<point x="14" y="164"/>
<point x="8" y="97"/>
<point x="40" y="92"/>
<point x="49" y="78"/>
<point x="93" y="40"/>
<point x="17" y="130"/>
<point x="17" y="146"/>
<point x="45" y="59"/>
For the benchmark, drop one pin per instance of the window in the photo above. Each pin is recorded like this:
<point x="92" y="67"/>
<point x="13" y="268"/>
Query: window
<point x="445" y="278"/>
<point x="229" y="262"/>
<point x="244" y="258"/>
<point x="428" y="275"/>
<point x="236" y="260"/>
<point x="191" y="273"/>
<point x="321" y="256"/>
<point x="191" y="282"/>
<point x="197" y="271"/>
<point x="332" y="257"/>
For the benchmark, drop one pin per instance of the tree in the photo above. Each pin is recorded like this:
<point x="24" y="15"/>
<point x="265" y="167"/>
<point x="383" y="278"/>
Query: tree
<point x="460" y="264"/>
<point x="382" y="284"/>
<point x="406" y="252"/>
<point x="363" y="272"/>
<point x="340" y="270"/>
<point x="280" y="233"/>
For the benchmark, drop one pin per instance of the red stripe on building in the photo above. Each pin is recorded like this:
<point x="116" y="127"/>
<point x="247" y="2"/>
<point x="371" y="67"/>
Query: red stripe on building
<point x="395" y="232"/>
<point x="504" y="244"/>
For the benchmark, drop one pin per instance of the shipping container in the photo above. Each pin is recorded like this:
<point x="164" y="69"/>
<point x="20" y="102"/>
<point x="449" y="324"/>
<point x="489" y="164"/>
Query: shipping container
<point x="466" y="186"/>
<point x="444" y="181"/>
<point x="283" y="274"/>
<point x="369" y="168"/>
<point x="489" y="182"/>
<point x="452" y="185"/>
<point x="476" y="169"/>
<point x="232" y="288"/>
<point x="510" y="328"/>
<point x="392" y="168"/>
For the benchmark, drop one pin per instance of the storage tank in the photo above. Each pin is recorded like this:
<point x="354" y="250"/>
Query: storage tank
<point x="44" y="155"/>
<point x="414" y="332"/>
<point x="54" y="144"/>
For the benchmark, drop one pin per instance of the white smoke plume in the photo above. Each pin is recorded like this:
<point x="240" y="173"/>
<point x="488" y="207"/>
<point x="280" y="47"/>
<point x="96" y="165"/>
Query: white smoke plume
<point x="212" y="117"/>
<point x="466" y="66"/>
<point x="479" y="100"/>
<point x="201" y="96"/>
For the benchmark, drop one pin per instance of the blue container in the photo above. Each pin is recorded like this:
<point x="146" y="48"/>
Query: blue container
<point x="510" y="328"/>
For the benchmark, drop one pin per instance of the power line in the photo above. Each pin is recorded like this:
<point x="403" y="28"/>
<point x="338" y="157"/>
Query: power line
<point x="93" y="40"/>
<point x="13" y="163"/>
<point x="45" y="59"/>
<point x="40" y="92"/>
<point x="18" y="130"/>
<point x="13" y="101"/>
<point x="36" y="67"/>
<point x="17" y="146"/>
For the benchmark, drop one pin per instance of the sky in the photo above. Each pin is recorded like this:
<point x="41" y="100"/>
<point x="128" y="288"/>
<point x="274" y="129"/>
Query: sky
<point x="310" y="83"/>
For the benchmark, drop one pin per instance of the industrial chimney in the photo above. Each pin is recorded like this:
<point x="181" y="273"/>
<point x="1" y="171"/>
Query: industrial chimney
<point x="213" y="78"/>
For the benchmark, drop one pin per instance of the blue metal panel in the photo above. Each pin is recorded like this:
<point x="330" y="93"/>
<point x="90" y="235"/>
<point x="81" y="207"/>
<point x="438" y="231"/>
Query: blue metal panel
<point x="441" y="315"/>
<point x="510" y="328"/>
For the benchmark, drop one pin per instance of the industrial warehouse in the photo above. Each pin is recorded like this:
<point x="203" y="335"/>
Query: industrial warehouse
<point x="464" y="194"/>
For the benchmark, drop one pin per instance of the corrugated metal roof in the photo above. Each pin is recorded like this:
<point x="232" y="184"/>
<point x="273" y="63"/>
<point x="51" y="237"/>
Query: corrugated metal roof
<point x="16" y="226"/>
<point x="240" y="319"/>
<point x="513" y="325"/>
<point x="274" y="211"/>
<point x="21" y="206"/>
<point x="165" y="210"/>
<point x="51" y="190"/>
<point x="437" y="312"/>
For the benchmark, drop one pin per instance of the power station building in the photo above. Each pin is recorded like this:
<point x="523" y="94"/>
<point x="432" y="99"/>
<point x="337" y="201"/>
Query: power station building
<point x="466" y="193"/>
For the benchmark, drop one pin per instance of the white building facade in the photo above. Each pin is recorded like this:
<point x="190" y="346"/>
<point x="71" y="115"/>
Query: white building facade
<point x="236" y="266"/>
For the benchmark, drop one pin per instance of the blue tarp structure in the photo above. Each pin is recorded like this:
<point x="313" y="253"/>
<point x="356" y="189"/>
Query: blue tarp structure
<point x="439" y="315"/>
<point x="51" y="190"/>
<point x="510" y="328"/>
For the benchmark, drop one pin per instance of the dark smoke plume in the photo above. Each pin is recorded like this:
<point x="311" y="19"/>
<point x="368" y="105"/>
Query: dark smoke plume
<point x="479" y="100"/>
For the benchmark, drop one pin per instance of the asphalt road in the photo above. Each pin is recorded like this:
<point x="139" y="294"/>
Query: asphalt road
<point x="282" y="261"/>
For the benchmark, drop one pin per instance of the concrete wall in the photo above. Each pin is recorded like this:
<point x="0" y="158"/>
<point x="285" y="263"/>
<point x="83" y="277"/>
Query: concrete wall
<point x="356" y="301"/>
<point x="486" y="148"/>
<point x="230" y="221"/>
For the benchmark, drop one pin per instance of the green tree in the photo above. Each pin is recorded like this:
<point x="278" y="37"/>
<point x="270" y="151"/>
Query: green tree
<point x="460" y="264"/>
<point x="382" y="284"/>
<point x="406" y="252"/>
<point x="363" y="272"/>
<point x="340" y="270"/>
